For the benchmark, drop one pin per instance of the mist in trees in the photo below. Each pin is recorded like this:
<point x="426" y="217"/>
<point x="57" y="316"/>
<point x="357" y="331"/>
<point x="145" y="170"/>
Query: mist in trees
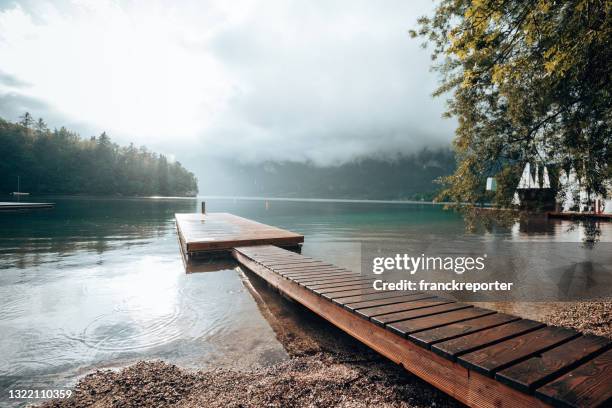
<point x="61" y="162"/>
<point x="404" y="177"/>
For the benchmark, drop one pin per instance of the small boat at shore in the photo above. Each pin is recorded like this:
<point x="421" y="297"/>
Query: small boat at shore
<point x="21" y="206"/>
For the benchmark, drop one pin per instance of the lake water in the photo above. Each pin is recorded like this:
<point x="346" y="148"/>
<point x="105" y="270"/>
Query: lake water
<point x="101" y="283"/>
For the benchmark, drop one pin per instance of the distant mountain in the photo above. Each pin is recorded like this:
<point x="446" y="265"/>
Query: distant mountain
<point x="408" y="177"/>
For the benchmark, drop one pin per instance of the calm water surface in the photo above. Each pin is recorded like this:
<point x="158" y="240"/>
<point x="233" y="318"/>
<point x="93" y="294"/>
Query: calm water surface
<point x="100" y="282"/>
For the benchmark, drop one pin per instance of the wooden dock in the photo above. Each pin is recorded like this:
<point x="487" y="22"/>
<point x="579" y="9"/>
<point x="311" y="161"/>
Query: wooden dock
<point x="210" y="233"/>
<point x="573" y="215"/>
<point x="478" y="356"/>
<point x="19" y="206"/>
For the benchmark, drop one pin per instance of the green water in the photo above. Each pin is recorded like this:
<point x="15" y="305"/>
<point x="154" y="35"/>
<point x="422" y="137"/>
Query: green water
<point x="100" y="282"/>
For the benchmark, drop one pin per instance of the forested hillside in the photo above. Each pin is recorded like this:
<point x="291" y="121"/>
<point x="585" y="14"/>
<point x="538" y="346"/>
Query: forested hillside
<point x="405" y="177"/>
<point x="61" y="162"/>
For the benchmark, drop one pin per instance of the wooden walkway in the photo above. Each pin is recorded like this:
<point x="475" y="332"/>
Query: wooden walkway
<point x="570" y="215"/>
<point x="220" y="232"/>
<point x="480" y="357"/>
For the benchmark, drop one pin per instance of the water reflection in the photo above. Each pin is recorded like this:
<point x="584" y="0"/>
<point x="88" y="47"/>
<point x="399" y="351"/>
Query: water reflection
<point x="102" y="282"/>
<point x="84" y="224"/>
<point x="86" y="286"/>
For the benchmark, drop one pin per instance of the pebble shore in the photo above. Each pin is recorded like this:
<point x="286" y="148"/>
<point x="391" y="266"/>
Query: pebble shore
<point x="326" y="368"/>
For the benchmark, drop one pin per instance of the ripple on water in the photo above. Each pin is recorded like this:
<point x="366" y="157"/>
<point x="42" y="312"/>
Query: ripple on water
<point x="135" y="329"/>
<point x="196" y="310"/>
<point x="14" y="303"/>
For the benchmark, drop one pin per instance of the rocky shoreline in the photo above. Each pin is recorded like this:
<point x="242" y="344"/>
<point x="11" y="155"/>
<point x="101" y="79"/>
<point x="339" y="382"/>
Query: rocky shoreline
<point x="326" y="368"/>
<point x="320" y="380"/>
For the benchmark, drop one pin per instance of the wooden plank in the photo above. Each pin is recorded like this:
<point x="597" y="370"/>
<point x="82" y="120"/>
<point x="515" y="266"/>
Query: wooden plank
<point x="271" y="251"/>
<point x="411" y="304"/>
<point x="386" y="301"/>
<point x="267" y="259"/>
<point x="319" y="274"/>
<point x="203" y="235"/>
<point x="275" y="254"/>
<point x="355" y="292"/>
<point x="264" y="250"/>
<point x="300" y="266"/>
<point x="470" y="388"/>
<point x="343" y="289"/>
<point x="335" y="283"/>
<point x="364" y="298"/>
<point x="322" y="278"/>
<point x="490" y="359"/>
<point x="428" y="337"/>
<point x="292" y="262"/>
<point x="407" y="327"/>
<point x="411" y="314"/>
<point x="329" y="270"/>
<point x="333" y="280"/>
<point x="588" y="385"/>
<point x="465" y="344"/>
<point x="313" y="271"/>
<point x="340" y="274"/>
<point x="540" y="369"/>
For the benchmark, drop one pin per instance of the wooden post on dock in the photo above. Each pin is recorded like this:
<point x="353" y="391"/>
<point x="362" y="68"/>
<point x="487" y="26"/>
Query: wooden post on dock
<point x="203" y="207"/>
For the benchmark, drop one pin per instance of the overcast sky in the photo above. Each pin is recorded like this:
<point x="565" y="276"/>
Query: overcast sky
<point x="325" y="81"/>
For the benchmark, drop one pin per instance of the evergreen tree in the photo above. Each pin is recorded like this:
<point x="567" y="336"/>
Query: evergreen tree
<point x="60" y="162"/>
<point x="41" y="126"/>
<point x="26" y="120"/>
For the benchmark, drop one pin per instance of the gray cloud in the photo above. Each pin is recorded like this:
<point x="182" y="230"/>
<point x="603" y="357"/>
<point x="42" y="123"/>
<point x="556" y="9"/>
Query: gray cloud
<point x="328" y="84"/>
<point x="11" y="81"/>
<point x="319" y="81"/>
<point x="14" y="104"/>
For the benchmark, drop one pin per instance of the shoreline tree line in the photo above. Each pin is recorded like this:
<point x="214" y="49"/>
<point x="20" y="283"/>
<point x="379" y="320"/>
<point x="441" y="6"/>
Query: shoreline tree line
<point x="59" y="161"/>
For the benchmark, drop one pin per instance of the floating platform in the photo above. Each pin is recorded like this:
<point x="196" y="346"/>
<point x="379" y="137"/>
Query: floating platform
<point x="478" y="356"/>
<point x="18" y="206"/>
<point x="214" y="233"/>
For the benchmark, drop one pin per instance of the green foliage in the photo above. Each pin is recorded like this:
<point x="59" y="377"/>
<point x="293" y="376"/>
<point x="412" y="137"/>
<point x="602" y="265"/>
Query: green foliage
<point x="530" y="80"/>
<point x="508" y="180"/>
<point x="60" y="162"/>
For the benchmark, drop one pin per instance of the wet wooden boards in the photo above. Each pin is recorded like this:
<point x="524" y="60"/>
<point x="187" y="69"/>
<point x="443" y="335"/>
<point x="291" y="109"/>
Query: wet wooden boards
<point x="220" y="232"/>
<point x="480" y="357"/>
